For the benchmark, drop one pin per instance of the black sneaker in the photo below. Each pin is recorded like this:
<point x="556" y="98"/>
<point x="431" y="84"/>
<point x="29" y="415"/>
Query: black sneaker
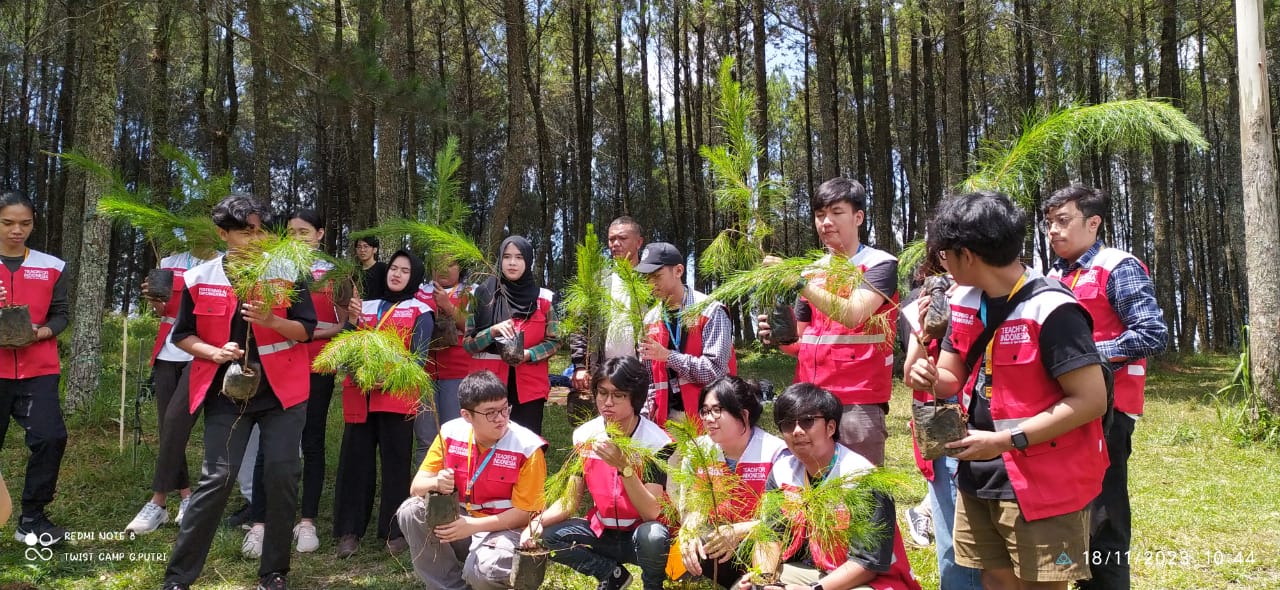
<point x="273" y="581"/>
<point x="175" y="586"/>
<point x="37" y="530"/>
<point x="239" y="518"/>
<point x="618" y="580"/>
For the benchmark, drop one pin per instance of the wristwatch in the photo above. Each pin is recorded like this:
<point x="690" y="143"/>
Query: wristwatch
<point x="1018" y="438"/>
<point x="816" y="586"/>
<point x="628" y="471"/>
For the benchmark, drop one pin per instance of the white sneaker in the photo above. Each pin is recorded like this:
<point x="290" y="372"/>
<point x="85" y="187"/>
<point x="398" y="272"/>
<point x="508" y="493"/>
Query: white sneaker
<point x="148" y="519"/>
<point x="182" y="510"/>
<point x="252" y="546"/>
<point x="305" y="533"/>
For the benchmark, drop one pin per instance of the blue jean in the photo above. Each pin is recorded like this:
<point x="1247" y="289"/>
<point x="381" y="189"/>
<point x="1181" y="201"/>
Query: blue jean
<point x="446" y="407"/>
<point x="573" y="543"/>
<point x="943" y="503"/>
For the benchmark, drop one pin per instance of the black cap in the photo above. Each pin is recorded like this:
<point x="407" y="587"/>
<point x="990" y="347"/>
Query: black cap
<point x="658" y="255"/>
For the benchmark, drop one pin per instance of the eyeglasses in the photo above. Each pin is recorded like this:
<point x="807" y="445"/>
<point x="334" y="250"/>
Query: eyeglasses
<point x="711" y="412"/>
<point x="805" y="422"/>
<point x="617" y="396"/>
<point x="1061" y="221"/>
<point x="494" y="415"/>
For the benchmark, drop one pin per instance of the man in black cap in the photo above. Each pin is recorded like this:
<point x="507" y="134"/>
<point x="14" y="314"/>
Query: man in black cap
<point x="684" y="354"/>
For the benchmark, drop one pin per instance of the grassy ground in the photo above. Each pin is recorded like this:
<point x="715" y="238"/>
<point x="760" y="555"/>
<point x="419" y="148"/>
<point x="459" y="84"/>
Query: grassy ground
<point x="1205" y="509"/>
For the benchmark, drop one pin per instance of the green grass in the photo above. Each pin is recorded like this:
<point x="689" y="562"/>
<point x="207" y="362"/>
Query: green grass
<point x="1205" y="513"/>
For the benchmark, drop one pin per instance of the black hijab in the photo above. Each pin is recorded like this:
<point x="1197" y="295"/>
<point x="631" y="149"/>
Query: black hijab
<point x="502" y="299"/>
<point x="416" y="273"/>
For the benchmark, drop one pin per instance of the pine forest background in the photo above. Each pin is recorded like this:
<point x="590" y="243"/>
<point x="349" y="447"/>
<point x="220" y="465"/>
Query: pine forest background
<point x="575" y="111"/>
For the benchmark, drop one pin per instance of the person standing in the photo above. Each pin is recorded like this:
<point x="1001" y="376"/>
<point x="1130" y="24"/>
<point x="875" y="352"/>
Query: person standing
<point x="1128" y="327"/>
<point x="683" y="355"/>
<point x="506" y="305"/>
<point x="841" y="348"/>
<point x="307" y="226"/>
<point x="373" y="272"/>
<point x="449" y="362"/>
<point x="211" y="323"/>
<point x="29" y="374"/>
<point x="625" y="239"/>
<point x="379" y="423"/>
<point x="169" y="364"/>
<point x="1020" y="354"/>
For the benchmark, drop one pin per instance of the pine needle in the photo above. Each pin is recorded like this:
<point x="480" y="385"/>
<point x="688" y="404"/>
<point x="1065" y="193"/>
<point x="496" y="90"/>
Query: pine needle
<point x="440" y="243"/>
<point x="1017" y="167"/>
<point x="268" y="269"/>
<point x="586" y="301"/>
<point x="376" y="359"/>
<point x="442" y="207"/>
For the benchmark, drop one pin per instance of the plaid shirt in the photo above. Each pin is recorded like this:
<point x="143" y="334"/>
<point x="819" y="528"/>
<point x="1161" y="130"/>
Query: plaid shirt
<point x="712" y="362"/>
<point x="540" y="352"/>
<point x="1133" y="297"/>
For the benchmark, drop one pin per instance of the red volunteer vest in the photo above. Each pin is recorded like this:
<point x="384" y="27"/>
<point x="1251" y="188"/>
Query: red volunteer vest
<point x="493" y="489"/>
<point x="357" y="404"/>
<point x="178" y="263"/>
<point x="532" y="381"/>
<point x="1054" y="477"/>
<point x="689" y="391"/>
<point x="453" y="362"/>
<point x="286" y="364"/>
<point x="32" y="285"/>
<point x="612" y="509"/>
<point x="326" y="309"/>
<point x="855" y="364"/>
<point x="789" y="473"/>
<point x="753" y="469"/>
<point x="1090" y="286"/>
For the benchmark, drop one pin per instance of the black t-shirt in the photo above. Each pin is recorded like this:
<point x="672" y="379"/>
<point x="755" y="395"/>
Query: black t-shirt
<point x="883" y="276"/>
<point x="1066" y="344"/>
<point x="877" y="558"/>
<point x="374" y="281"/>
<point x="300" y="310"/>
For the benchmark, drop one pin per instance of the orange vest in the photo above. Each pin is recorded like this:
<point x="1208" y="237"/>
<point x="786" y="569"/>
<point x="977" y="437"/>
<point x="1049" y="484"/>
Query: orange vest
<point x="286" y="364"/>
<point x="452" y="362"/>
<point x="790" y="475"/>
<point x="854" y="364"/>
<point x="32" y="285"/>
<point x="1090" y="286"/>
<point x="612" y="507"/>
<point x="689" y="391"/>
<point x="493" y="489"/>
<point x="1056" y="476"/>
<point x="357" y="404"/>
<point x="532" y="379"/>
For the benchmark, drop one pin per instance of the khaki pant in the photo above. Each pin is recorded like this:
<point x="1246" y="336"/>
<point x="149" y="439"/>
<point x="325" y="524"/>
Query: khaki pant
<point x="804" y="575"/>
<point x="482" y="562"/>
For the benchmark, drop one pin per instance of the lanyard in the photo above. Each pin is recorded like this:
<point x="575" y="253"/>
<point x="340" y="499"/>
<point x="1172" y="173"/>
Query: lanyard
<point x="475" y="475"/>
<point x="1076" y="279"/>
<point x="982" y="313"/>
<point x="386" y="314"/>
<point x="675" y="332"/>
<point x="825" y="473"/>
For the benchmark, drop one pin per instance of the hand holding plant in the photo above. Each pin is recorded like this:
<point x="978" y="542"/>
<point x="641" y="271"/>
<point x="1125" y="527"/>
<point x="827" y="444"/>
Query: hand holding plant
<point x="444" y="481"/>
<point x="457" y="530"/>
<point x="229" y="352"/>
<point x="258" y="312"/>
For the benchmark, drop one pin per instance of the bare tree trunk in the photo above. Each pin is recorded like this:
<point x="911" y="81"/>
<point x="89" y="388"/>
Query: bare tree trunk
<point x="1164" y="264"/>
<point x="646" y="120"/>
<point x="758" y="34"/>
<point x="260" y="85"/>
<point x="514" y="161"/>
<point x="1262" y="212"/>
<point x="955" y="126"/>
<point x="96" y="135"/>
<point x="622" y="194"/>
<point x="828" y="118"/>
<point x="882" y="150"/>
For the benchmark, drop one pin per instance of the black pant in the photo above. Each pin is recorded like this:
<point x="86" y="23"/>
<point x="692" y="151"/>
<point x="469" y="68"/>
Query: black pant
<point x="527" y="414"/>
<point x="225" y="436"/>
<point x="384" y="435"/>
<point x="726" y="574"/>
<point x="174" y="423"/>
<point x="1110" y="517"/>
<point x="34" y="403"/>
<point x="313" y="439"/>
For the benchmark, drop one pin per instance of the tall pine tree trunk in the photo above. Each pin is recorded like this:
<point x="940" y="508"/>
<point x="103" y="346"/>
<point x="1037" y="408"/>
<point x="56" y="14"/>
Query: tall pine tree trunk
<point x="514" y="160"/>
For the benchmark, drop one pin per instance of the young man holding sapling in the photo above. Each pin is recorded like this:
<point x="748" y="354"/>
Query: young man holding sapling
<point x="1020" y="353"/>
<point x="1128" y="326"/>
<point x="842" y="349"/>
<point x="497" y="469"/>
<point x="211" y="323"/>
<point x="683" y="356"/>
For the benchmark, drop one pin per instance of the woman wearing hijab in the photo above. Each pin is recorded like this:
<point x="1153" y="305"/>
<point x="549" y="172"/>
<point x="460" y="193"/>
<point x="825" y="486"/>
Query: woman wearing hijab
<point x="378" y="423"/>
<point x="509" y="307"/>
